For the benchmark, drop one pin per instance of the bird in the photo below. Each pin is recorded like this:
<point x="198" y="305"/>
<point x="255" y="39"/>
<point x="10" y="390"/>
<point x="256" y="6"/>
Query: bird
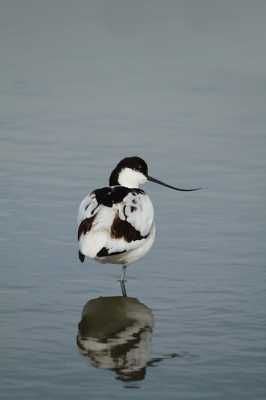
<point x="116" y="223"/>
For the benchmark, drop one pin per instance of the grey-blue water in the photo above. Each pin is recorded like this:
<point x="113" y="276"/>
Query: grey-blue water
<point x="181" y="84"/>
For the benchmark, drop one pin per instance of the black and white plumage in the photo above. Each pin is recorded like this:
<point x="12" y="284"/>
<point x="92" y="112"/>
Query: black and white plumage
<point x="116" y="223"/>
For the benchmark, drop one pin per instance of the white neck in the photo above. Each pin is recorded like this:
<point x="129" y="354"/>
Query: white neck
<point x="130" y="178"/>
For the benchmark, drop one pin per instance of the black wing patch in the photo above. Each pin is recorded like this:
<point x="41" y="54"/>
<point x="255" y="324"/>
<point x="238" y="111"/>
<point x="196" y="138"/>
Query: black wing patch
<point x="104" y="252"/>
<point x="108" y="196"/>
<point x="81" y="257"/>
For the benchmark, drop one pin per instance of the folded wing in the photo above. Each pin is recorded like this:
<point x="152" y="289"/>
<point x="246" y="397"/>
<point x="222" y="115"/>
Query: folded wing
<point x="113" y="220"/>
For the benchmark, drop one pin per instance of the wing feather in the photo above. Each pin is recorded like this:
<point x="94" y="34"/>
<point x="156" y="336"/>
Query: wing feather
<point x="119" y="225"/>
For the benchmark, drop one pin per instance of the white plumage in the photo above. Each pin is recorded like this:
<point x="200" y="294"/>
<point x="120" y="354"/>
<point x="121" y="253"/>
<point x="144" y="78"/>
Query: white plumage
<point x="135" y="209"/>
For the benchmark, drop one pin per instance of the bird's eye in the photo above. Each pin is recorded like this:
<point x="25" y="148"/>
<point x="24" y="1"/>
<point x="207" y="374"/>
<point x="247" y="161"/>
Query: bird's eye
<point x="138" y="168"/>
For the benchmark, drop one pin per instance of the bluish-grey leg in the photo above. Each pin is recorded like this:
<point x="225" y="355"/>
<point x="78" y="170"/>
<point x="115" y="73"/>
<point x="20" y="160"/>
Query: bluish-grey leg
<point x="123" y="288"/>
<point x="123" y="273"/>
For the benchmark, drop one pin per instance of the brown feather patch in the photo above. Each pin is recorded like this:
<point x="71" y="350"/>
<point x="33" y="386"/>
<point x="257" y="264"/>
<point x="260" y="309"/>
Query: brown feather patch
<point x="123" y="229"/>
<point x="85" y="226"/>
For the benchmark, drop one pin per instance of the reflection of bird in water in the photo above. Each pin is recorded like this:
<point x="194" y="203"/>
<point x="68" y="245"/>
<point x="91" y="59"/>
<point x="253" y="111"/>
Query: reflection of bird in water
<point x="116" y="223"/>
<point x="116" y="334"/>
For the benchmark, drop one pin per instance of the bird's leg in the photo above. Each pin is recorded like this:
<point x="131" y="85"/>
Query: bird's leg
<point x="123" y="288"/>
<point x="123" y="273"/>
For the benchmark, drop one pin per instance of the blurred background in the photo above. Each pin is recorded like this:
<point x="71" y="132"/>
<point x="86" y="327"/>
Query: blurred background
<point x="181" y="84"/>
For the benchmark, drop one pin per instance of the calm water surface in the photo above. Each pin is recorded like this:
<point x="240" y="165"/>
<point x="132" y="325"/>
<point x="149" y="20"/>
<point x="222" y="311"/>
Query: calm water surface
<point x="181" y="85"/>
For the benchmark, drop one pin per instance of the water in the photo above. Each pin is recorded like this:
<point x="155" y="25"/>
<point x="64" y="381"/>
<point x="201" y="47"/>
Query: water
<point x="183" y="86"/>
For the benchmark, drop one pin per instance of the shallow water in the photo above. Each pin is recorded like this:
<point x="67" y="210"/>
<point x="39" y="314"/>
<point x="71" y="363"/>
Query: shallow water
<point x="182" y="86"/>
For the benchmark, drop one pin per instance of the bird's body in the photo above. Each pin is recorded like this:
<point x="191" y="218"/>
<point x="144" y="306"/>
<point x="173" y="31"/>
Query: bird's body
<point x="116" y="223"/>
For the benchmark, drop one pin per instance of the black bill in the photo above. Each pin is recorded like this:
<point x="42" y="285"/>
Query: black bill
<point x="169" y="186"/>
